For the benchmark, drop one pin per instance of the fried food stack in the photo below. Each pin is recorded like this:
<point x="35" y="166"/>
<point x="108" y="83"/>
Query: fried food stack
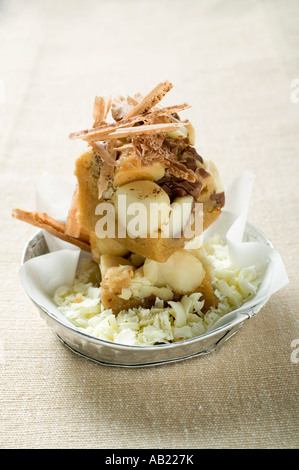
<point x="144" y="152"/>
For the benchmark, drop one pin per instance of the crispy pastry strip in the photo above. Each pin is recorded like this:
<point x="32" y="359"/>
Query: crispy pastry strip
<point x="103" y="153"/>
<point x="150" y="100"/>
<point x="104" y="129"/>
<point x="138" y="130"/>
<point x="56" y="228"/>
<point x="97" y="132"/>
<point x="176" y="108"/>
<point x="101" y="108"/>
<point x="72" y="228"/>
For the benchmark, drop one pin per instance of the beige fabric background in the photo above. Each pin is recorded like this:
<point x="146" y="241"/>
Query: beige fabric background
<point x="234" y="61"/>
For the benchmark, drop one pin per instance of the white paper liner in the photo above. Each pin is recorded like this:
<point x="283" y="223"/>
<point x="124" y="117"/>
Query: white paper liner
<point x="40" y="276"/>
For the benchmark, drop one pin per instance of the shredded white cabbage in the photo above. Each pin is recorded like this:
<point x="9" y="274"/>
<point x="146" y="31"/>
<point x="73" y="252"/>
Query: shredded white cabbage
<point x="80" y="303"/>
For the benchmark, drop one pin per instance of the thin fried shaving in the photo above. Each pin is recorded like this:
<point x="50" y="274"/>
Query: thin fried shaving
<point x="146" y="140"/>
<point x="134" y="100"/>
<point x="97" y="132"/>
<point x="101" y="108"/>
<point x="45" y="222"/>
<point x="72" y="226"/>
<point x="127" y="146"/>
<point x="139" y="130"/>
<point x="167" y="110"/>
<point x="103" y="153"/>
<point x="151" y="99"/>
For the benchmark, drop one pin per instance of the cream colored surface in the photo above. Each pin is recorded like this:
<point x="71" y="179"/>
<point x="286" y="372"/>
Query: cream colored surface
<point x="234" y="62"/>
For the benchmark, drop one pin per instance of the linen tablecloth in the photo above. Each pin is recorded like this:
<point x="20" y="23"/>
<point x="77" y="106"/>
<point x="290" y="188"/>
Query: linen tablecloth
<point x="237" y="64"/>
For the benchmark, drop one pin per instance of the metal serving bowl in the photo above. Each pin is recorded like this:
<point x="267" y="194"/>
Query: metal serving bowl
<point x="113" y="354"/>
